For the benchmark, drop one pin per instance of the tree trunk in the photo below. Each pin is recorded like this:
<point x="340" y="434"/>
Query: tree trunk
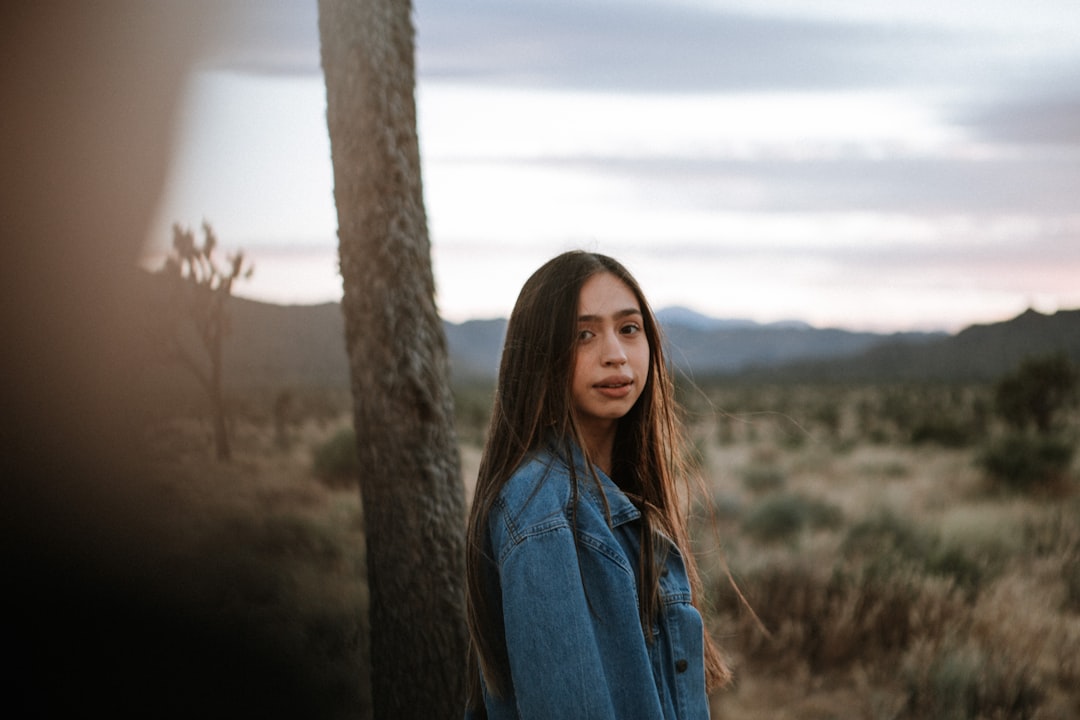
<point x="222" y="451"/>
<point x="403" y="411"/>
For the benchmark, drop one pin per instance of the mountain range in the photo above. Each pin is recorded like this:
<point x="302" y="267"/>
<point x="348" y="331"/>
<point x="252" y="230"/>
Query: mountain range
<point x="284" y="346"/>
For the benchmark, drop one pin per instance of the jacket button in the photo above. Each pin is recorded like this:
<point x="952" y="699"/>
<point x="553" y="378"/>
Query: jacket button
<point x="680" y="666"/>
<point x="664" y="572"/>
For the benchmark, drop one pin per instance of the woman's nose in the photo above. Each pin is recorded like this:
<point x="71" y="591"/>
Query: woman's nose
<point x="613" y="352"/>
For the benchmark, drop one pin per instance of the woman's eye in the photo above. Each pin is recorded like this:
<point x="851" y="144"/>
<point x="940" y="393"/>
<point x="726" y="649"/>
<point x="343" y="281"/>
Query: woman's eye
<point x="585" y="335"/>
<point x="631" y="329"/>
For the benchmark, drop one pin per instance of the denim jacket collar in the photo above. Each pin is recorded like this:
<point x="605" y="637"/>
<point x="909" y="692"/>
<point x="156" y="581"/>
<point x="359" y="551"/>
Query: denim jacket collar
<point x="621" y="509"/>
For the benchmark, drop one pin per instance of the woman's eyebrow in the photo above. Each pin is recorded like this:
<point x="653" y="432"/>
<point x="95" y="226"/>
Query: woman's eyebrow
<point x="618" y="315"/>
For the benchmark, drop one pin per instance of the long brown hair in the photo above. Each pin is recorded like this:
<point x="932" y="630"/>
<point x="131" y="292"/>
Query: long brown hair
<point x="533" y="406"/>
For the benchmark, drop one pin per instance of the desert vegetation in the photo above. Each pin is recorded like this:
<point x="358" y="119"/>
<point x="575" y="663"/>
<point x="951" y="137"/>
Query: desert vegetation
<point x="887" y="573"/>
<point x="887" y="570"/>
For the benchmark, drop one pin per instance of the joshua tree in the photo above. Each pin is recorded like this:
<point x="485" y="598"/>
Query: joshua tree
<point x="199" y="289"/>
<point x="403" y="410"/>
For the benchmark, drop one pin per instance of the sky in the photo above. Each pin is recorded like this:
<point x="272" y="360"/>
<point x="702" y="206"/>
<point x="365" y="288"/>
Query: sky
<point x="863" y="164"/>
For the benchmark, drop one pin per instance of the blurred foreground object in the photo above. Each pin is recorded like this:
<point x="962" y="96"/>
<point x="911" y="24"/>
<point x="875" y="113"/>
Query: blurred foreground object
<point x="95" y="623"/>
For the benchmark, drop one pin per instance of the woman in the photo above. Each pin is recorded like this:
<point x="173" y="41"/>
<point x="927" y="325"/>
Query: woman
<point x="581" y="586"/>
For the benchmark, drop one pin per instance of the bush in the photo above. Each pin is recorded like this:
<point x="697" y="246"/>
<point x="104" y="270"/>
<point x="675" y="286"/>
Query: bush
<point x="952" y="562"/>
<point x="1070" y="574"/>
<point x="942" y="431"/>
<point x="777" y="519"/>
<point x="830" y="619"/>
<point x="760" y="479"/>
<point x="952" y="682"/>
<point x="335" y="462"/>
<point x="887" y="545"/>
<point x="886" y="535"/>
<point x="783" y="517"/>
<point x="1027" y="463"/>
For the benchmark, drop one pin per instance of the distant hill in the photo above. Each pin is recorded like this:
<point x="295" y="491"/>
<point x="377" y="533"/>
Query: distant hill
<point x="693" y="320"/>
<point x="280" y="346"/>
<point x="977" y="353"/>
<point x="285" y="345"/>
<point x="274" y="345"/>
<point x="305" y="345"/>
<point x="734" y="348"/>
<point x="475" y="347"/>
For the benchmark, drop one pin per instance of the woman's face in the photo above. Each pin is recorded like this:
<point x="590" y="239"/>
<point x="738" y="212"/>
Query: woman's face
<point x="611" y="363"/>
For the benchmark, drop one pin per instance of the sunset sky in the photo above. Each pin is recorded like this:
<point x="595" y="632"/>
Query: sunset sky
<point x="861" y="164"/>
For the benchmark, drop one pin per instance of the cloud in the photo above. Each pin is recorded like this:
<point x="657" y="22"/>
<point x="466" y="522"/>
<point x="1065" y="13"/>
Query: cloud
<point x="1031" y="119"/>
<point x="654" y="46"/>
<point x="927" y="185"/>
<point x="920" y="185"/>
<point x="627" y="46"/>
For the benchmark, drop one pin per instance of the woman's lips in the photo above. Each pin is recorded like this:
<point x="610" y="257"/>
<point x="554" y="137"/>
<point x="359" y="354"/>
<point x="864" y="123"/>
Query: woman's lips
<point x="614" y="387"/>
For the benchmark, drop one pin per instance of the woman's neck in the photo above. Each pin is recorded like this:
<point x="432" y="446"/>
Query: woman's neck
<point x="599" y="439"/>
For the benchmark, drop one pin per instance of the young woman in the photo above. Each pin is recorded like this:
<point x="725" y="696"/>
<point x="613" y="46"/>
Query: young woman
<point x="581" y="584"/>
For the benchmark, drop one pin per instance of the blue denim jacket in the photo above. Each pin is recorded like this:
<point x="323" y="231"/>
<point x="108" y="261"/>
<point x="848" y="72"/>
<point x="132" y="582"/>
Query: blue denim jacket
<point x="573" y="630"/>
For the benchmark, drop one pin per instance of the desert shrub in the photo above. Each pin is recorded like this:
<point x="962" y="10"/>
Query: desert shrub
<point x="822" y="515"/>
<point x="1070" y="575"/>
<point x="763" y="479"/>
<point x="1023" y="462"/>
<point x="887" y="470"/>
<point x="335" y="462"/>
<point x="895" y="470"/>
<point x="886" y="544"/>
<point x="777" y="519"/>
<point x="886" y="535"/>
<point x="949" y="561"/>
<point x="782" y="517"/>
<point x="951" y="681"/>
<point x="944" y="431"/>
<point x="826" y="619"/>
<point x="827" y="414"/>
<point x="1055" y="535"/>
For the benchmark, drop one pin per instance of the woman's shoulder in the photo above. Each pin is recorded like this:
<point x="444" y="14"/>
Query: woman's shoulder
<point x="540" y="484"/>
<point x="533" y="501"/>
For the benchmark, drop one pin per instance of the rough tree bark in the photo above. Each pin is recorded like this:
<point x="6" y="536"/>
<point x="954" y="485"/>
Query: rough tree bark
<point x="403" y="411"/>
